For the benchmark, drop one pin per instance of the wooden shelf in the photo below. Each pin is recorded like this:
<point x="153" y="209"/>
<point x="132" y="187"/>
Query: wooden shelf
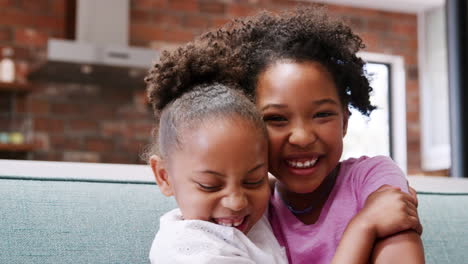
<point x="15" y="87"/>
<point x="17" y="147"/>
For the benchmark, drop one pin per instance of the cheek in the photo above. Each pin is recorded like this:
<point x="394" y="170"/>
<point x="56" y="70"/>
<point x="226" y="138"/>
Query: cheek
<point x="274" y="142"/>
<point x="334" y="143"/>
<point x="331" y="132"/>
<point x="260" y="198"/>
<point x="194" y="205"/>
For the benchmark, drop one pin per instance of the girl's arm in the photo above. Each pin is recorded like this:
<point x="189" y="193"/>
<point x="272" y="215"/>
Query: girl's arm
<point x="404" y="247"/>
<point x="356" y="244"/>
<point x="387" y="211"/>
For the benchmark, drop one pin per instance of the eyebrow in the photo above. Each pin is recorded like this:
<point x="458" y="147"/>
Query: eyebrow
<point x="222" y="175"/>
<point x="325" y="101"/>
<point x="256" y="167"/>
<point x="272" y="106"/>
<point x="318" y="102"/>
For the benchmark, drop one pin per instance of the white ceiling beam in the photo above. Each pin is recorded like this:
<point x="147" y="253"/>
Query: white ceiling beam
<point x="405" y="6"/>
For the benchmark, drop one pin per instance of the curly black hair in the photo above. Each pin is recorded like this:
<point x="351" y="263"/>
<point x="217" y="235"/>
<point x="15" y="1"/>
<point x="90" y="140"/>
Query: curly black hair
<point x="305" y="34"/>
<point x="240" y="51"/>
<point x="190" y="85"/>
<point x="207" y="59"/>
<point x="236" y="54"/>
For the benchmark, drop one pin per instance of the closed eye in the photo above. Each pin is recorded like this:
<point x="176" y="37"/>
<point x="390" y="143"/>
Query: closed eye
<point x="254" y="184"/>
<point x="209" y="188"/>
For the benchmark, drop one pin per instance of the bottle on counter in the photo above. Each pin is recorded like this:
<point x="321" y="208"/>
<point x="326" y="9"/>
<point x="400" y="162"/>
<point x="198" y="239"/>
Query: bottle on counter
<point x="7" y="66"/>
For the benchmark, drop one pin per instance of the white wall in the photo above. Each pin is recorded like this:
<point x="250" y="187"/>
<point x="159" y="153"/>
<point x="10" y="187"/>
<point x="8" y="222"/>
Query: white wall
<point x="434" y="113"/>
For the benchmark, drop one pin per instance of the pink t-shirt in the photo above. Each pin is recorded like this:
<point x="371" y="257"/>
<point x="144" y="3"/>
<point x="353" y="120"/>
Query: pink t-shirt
<point x="317" y="243"/>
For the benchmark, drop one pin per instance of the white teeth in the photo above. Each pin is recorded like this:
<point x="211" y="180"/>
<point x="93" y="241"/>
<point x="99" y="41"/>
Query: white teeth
<point x="230" y="223"/>
<point x="306" y="164"/>
<point x="238" y="223"/>
<point x="312" y="163"/>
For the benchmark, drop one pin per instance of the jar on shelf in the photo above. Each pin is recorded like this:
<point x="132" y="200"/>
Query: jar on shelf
<point x="7" y="65"/>
<point x="16" y="138"/>
<point x="4" y="137"/>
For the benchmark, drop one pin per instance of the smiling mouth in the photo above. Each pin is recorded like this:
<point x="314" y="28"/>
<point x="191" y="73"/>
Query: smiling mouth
<point x="237" y="222"/>
<point x="302" y="164"/>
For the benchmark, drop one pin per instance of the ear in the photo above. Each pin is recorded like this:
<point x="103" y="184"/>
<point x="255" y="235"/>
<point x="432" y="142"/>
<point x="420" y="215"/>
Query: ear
<point x="161" y="175"/>
<point x="346" y="114"/>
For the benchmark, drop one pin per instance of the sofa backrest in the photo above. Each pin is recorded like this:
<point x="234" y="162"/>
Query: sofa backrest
<point x="43" y="221"/>
<point x="110" y="219"/>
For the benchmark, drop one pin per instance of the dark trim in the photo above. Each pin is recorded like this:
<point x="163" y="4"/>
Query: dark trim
<point x="70" y="19"/>
<point x="457" y="43"/>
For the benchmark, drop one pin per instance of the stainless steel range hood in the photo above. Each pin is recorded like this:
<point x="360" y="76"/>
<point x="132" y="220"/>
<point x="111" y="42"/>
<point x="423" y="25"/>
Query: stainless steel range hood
<point x="100" y="53"/>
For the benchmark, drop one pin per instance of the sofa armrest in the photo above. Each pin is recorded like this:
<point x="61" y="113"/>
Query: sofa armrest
<point x="443" y="204"/>
<point x="439" y="185"/>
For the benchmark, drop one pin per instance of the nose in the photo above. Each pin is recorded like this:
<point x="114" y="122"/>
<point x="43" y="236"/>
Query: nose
<point x="302" y="136"/>
<point x="235" y="201"/>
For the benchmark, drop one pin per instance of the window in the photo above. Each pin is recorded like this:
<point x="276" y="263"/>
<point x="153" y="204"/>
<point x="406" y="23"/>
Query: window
<point x="384" y="132"/>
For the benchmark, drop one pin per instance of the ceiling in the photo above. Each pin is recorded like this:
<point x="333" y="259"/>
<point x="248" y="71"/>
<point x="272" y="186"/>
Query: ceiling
<point x="406" y="6"/>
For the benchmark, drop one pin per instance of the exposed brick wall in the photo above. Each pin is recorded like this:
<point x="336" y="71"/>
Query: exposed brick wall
<point x="71" y="122"/>
<point x="26" y="25"/>
<point x="90" y="123"/>
<point x="161" y="24"/>
<point x="69" y="128"/>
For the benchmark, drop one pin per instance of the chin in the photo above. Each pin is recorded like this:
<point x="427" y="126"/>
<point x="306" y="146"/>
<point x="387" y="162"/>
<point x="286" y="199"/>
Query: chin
<point x="300" y="187"/>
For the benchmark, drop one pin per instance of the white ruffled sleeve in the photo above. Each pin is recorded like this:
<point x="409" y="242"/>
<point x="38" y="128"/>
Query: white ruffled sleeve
<point x="202" y="242"/>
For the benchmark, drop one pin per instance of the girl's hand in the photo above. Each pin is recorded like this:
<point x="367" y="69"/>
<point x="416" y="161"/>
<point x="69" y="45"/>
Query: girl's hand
<point x="413" y="193"/>
<point x="388" y="211"/>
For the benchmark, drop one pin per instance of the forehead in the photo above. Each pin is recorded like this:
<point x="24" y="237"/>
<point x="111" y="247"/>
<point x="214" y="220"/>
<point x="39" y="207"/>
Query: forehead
<point x="286" y="80"/>
<point x="220" y="131"/>
<point x="221" y="144"/>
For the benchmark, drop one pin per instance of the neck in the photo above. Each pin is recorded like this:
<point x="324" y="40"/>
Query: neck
<point x="313" y="200"/>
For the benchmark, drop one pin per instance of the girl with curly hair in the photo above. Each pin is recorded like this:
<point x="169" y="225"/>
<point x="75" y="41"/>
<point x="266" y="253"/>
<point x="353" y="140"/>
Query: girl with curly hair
<point x="301" y="70"/>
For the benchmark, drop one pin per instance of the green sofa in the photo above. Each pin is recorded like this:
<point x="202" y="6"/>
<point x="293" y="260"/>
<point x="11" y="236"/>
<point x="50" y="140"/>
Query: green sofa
<point x="109" y="218"/>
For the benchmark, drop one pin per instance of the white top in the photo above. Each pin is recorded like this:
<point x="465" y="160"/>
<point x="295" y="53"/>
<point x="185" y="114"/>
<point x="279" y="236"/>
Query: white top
<point x="196" y="241"/>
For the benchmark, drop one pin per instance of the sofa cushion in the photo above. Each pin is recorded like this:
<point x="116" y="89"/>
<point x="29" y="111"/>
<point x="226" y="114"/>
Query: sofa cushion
<point x="445" y="221"/>
<point x="78" y="222"/>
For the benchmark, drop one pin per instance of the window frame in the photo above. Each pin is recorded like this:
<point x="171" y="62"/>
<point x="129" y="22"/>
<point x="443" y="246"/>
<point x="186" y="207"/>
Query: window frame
<point x="397" y="104"/>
